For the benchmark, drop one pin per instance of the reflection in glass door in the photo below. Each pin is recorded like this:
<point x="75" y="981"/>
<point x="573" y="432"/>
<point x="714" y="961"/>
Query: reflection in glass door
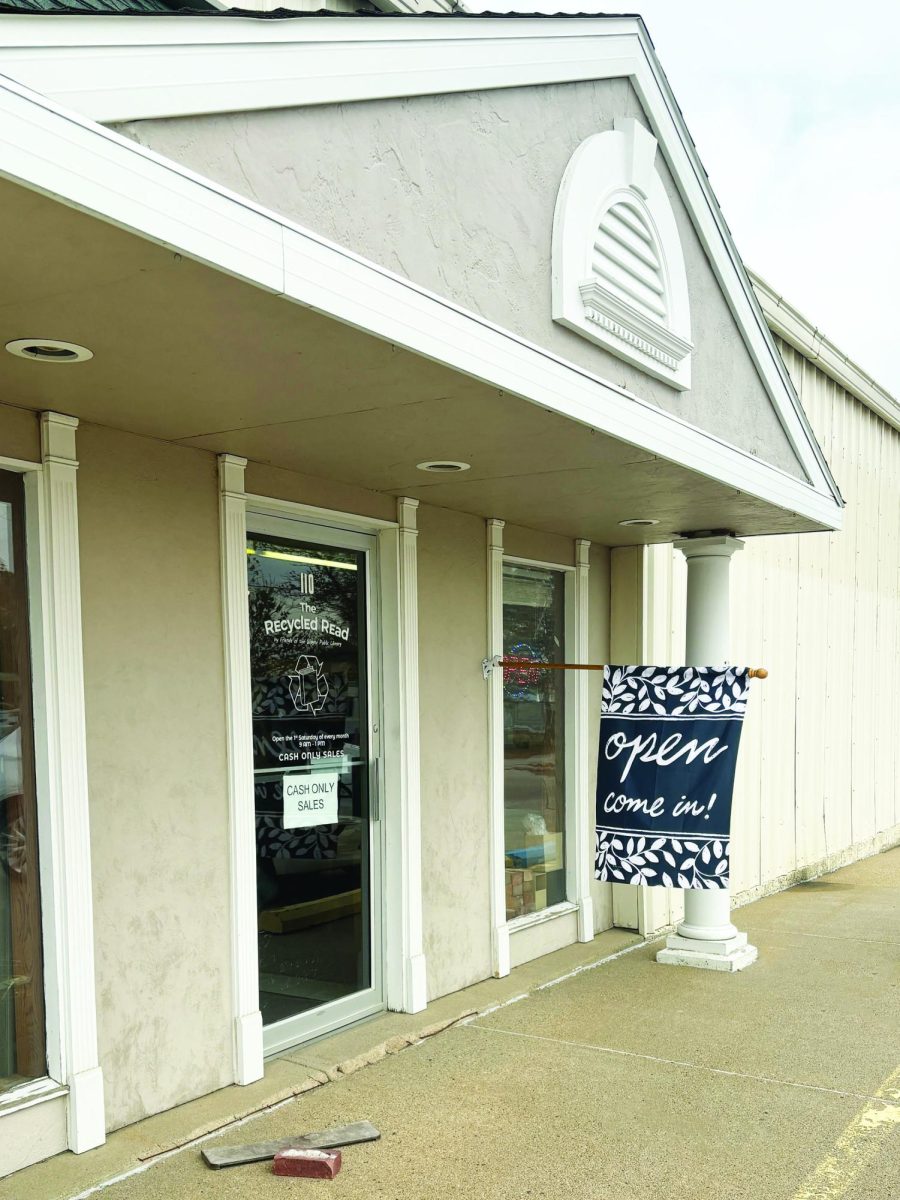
<point x="22" y="1054"/>
<point x="314" y="730"/>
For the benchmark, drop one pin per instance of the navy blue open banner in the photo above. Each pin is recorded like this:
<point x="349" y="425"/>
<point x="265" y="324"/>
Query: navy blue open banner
<point x="669" y="740"/>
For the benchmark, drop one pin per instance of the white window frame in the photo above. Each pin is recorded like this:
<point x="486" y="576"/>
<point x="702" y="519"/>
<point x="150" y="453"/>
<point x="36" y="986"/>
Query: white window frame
<point x="404" y="958"/>
<point x="578" y="809"/>
<point x="64" y="849"/>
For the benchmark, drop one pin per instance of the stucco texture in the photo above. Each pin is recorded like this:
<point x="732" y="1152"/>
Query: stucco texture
<point x="154" y="699"/>
<point x="20" y="434"/>
<point x="452" y="573"/>
<point x="457" y="193"/>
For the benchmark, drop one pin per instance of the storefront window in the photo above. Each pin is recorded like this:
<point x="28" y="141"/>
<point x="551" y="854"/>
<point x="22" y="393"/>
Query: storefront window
<point x="534" y="739"/>
<point x="22" y="1055"/>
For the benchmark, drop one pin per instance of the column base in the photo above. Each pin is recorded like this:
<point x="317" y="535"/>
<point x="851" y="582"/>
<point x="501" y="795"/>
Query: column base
<point x="732" y="954"/>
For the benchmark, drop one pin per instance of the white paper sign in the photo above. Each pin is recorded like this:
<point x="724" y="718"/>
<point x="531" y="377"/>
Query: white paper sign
<point x="310" y="799"/>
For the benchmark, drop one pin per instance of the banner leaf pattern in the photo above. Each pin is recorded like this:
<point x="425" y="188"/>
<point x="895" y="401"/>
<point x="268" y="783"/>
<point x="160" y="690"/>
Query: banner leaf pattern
<point x="668" y="747"/>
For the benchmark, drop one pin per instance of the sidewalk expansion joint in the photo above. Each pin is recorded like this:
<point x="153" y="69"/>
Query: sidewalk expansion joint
<point x="676" y="1062"/>
<point x="828" y="937"/>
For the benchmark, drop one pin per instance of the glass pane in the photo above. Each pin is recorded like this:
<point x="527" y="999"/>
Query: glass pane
<point x="533" y="740"/>
<point x="22" y="1053"/>
<point x="308" y="659"/>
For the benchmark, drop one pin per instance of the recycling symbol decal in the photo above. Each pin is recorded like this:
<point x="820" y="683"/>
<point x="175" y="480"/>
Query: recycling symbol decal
<point x="307" y="685"/>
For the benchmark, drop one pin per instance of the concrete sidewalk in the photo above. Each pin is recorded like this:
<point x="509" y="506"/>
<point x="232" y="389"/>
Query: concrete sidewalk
<point x="631" y="1080"/>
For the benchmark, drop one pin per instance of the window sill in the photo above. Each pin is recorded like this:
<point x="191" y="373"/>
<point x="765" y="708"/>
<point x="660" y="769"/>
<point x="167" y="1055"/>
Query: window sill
<point x="37" y="1091"/>
<point x="538" y="918"/>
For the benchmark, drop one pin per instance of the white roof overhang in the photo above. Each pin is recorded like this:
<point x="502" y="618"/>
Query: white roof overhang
<point x="115" y="70"/>
<point x="72" y="160"/>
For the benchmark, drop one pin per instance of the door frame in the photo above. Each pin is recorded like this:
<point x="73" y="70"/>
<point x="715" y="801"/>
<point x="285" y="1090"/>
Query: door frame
<point x="394" y="585"/>
<point x="302" y="1027"/>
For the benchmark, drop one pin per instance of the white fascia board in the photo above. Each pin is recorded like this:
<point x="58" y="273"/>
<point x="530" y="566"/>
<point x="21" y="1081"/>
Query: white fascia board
<point x="143" y="67"/>
<point x="81" y="164"/>
<point x="807" y="339"/>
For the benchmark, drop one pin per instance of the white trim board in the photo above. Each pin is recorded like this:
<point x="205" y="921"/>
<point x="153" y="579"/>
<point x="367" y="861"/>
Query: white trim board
<point x="500" y="931"/>
<point x="85" y="166"/>
<point x="114" y="70"/>
<point x="807" y="339"/>
<point x="61" y="776"/>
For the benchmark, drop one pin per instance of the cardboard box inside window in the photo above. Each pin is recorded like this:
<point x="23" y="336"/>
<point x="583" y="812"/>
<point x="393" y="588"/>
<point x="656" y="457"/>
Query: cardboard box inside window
<point x="538" y="851"/>
<point x="526" y="892"/>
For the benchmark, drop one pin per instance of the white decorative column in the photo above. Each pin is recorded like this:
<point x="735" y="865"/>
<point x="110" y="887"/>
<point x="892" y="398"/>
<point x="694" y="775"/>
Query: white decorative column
<point x="65" y="769"/>
<point x="584" y="808"/>
<point x="415" y="991"/>
<point x="499" y="927"/>
<point x="247" y="1028"/>
<point x="706" y="937"/>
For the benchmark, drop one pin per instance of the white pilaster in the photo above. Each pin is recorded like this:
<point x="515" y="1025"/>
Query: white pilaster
<point x="415" y="992"/>
<point x="499" y="927"/>
<point x="583" y="848"/>
<point x="247" y="1029"/>
<point x="65" y="770"/>
<point x="706" y="937"/>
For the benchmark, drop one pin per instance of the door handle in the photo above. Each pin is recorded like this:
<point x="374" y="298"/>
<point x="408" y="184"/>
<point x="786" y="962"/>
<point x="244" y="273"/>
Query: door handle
<point x="375" y="786"/>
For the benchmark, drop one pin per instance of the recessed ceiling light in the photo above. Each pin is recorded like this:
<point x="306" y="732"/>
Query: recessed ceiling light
<point x="49" y="350"/>
<point x="444" y="466"/>
<point x="639" y="521"/>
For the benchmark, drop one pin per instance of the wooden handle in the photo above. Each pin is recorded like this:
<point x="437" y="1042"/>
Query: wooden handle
<point x="512" y="664"/>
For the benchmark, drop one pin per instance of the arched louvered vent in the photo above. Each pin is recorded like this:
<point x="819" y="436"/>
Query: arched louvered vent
<point x="619" y="276"/>
<point x="626" y="292"/>
<point x="626" y="259"/>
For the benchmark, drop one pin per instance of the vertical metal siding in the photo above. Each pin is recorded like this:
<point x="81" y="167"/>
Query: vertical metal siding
<point x="819" y="763"/>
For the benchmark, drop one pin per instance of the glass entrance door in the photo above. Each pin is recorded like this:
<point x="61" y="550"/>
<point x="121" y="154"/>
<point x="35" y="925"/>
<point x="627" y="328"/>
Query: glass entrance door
<point x="315" y="748"/>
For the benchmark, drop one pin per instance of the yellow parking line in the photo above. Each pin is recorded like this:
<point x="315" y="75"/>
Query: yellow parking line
<point x="857" y="1147"/>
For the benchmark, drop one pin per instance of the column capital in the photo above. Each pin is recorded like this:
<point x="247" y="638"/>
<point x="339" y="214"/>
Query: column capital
<point x="719" y="545"/>
<point x="407" y="508"/>
<point x="231" y="475"/>
<point x="58" y="438"/>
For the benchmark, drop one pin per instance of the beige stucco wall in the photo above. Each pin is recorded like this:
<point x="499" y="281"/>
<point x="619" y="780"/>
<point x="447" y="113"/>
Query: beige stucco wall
<point x="261" y="479"/>
<point x="541" y="547"/>
<point x="154" y="699"/>
<point x="155" y="715"/>
<point x="20" y="433"/>
<point x="457" y="193"/>
<point x="452" y="569"/>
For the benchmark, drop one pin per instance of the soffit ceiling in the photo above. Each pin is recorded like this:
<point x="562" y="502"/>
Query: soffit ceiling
<point x="189" y="355"/>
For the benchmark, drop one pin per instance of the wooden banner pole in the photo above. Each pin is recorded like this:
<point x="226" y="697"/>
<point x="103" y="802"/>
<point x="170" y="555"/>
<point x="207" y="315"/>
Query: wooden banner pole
<point x="512" y="664"/>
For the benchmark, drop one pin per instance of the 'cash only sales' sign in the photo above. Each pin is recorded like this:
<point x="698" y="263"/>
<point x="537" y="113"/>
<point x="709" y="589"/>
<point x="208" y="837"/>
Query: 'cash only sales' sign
<point x="668" y="748"/>
<point x="310" y="799"/>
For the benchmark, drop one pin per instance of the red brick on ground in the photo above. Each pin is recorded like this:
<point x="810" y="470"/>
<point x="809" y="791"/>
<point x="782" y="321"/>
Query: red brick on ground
<point x="307" y="1164"/>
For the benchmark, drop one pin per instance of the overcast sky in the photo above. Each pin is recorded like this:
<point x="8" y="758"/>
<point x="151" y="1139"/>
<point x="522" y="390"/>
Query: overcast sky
<point x="795" y="110"/>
